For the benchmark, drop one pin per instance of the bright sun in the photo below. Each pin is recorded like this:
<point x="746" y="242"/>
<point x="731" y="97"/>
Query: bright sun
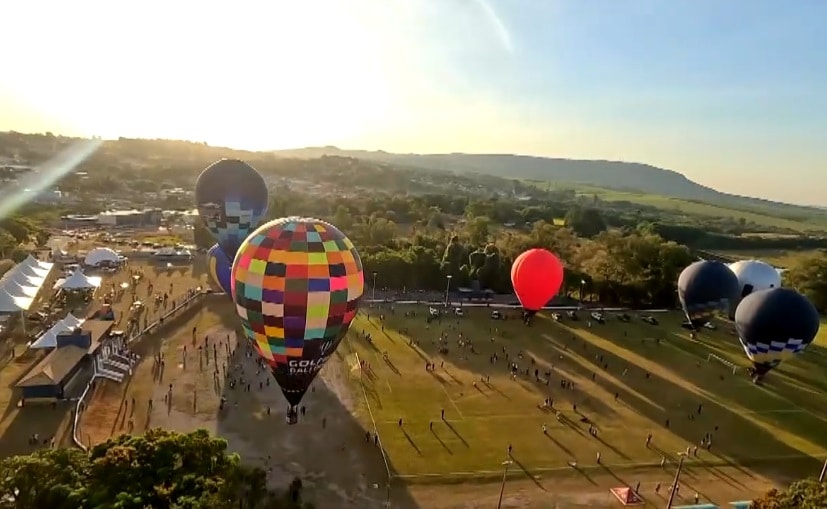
<point x="262" y="74"/>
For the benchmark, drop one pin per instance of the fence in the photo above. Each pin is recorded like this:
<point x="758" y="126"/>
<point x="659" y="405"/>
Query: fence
<point x="79" y="406"/>
<point x="723" y="361"/>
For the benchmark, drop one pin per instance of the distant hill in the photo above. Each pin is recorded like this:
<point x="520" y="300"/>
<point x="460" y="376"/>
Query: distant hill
<point x="623" y="176"/>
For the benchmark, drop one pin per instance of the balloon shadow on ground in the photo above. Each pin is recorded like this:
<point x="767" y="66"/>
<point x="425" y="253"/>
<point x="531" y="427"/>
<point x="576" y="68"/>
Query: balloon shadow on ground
<point x="340" y="463"/>
<point x="730" y="446"/>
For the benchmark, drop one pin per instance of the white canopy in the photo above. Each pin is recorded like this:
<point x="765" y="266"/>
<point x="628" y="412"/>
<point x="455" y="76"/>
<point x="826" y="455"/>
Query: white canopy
<point x="24" y="280"/>
<point x="49" y="338"/>
<point x="11" y="304"/>
<point x="79" y="281"/>
<point x="101" y="255"/>
<point x="28" y="270"/>
<point x="31" y="261"/>
<point x="15" y="288"/>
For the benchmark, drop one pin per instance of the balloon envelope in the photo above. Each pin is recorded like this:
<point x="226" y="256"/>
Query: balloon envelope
<point x="231" y="198"/>
<point x="706" y="287"/>
<point x="775" y="324"/>
<point x="220" y="268"/>
<point x="297" y="284"/>
<point x="755" y="275"/>
<point x="536" y="276"/>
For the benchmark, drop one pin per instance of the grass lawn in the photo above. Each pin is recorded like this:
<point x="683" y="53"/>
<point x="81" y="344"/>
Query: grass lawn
<point x="778" y="425"/>
<point x="776" y="257"/>
<point x="690" y="208"/>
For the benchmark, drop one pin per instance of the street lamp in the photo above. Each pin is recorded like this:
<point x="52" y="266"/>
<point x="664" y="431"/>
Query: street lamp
<point x="582" y="284"/>
<point x="447" y="289"/>
<point x="675" y="482"/>
<point x="373" y="296"/>
<point x="506" y="464"/>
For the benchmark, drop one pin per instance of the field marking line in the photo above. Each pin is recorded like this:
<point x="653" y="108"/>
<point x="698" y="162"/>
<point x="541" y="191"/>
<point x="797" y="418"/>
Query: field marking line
<point x="706" y="464"/>
<point x="744" y="382"/>
<point x="462" y="417"/>
<point x="370" y="413"/>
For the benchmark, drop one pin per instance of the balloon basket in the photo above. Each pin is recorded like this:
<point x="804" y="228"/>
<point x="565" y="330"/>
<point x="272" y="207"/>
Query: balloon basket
<point x="292" y="417"/>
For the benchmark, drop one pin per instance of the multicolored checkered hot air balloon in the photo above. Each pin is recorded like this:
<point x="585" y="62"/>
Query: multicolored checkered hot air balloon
<point x="219" y="267"/>
<point x="296" y="283"/>
<point x="231" y="198"/>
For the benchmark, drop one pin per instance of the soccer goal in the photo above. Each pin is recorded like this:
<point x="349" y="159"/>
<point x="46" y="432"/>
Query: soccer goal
<point x="721" y="360"/>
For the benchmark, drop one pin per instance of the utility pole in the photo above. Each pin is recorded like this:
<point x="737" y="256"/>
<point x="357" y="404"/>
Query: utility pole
<point x="506" y="464"/>
<point x="447" y="289"/>
<point x="675" y="482"/>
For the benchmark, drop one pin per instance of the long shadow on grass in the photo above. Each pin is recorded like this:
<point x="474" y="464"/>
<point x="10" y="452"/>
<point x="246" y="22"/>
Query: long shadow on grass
<point x="807" y="423"/>
<point x="254" y="424"/>
<point x="736" y="437"/>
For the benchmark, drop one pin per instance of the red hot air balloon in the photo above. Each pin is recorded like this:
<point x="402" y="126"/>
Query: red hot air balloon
<point x="537" y="276"/>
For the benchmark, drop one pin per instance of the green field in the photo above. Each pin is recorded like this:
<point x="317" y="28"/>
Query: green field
<point x="776" y="257"/>
<point x="780" y="423"/>
<point x="679" y="206"/>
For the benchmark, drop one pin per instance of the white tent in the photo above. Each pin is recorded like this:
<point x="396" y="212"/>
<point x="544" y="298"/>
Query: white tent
<point x="101" y="255"/>
<point x="49" y="338"/>
<point x="28" y="270"/>
<point x="15" y="288"/>
<point x="80" y="281"/>
<point x="24" y="280"/>
<point x="31" y="261"/>
<point x="11" y="304"/>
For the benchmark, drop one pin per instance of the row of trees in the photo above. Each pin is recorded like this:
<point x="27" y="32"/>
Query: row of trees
<point x="632" y="267"/>
<point x="438" y="236"/>
<point x="169" y="470"/>
<point x="161" y="469"/>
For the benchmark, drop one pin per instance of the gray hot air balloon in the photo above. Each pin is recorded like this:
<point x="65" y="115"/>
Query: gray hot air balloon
<point x="231" y="197"/>
<point x="774" y="325"/>
<point x="707" y="287"/>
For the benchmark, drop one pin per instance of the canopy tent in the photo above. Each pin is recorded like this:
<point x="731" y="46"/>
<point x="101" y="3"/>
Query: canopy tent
<point x="49" y="338"/>
<point x="80" y="281"/>
<point x="28" y="270"/>
<point x="11" y="304"/>
<point x="24" y="280"/>
<point x="31" y="261"/>
<point x="15" y="288"/>
<point x="101" y="255"/>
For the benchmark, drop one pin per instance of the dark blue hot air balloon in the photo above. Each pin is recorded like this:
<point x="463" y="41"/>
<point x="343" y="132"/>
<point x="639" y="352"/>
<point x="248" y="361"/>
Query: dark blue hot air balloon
<point x="774" y="325"/>
<point x="220" y="268"/>
<point x="707" y="287"/>
<point x="231" y="197"/>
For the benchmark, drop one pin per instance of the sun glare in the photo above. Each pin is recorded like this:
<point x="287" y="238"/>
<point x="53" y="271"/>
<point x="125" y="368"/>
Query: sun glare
<point x="256" y="74"/>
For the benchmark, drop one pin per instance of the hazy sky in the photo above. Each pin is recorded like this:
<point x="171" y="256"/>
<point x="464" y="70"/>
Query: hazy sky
<point x="732" y="93"/>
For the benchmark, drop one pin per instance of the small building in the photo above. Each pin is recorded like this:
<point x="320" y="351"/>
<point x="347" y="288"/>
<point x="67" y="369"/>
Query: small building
<point x="50" y="377"/>
<point x="131" y="218"/>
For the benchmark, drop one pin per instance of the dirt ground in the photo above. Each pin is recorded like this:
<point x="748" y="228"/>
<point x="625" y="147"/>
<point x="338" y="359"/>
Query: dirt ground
<point x="252" y="422"/>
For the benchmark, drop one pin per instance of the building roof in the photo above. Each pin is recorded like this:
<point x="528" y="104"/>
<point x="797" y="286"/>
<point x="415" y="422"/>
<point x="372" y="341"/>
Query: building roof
<point x="97" y="329"/>
<point x="54" y="367"/>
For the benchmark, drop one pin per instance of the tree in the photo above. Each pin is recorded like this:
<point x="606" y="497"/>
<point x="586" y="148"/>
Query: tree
<point x="806" y="494"/>
<point x="586" y="222"/>
<point x="161" y="469"/>
<point x="808" y="275"/>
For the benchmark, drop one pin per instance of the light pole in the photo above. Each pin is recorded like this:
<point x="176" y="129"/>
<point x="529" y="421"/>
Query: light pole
<point x="506" y="464"/>
<point x="823" y="472"/>
<point x="675" y="482"/>
<point x="582" y="284"/>
<point x="447" y="289"/>
<point x="373" y="295"/>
